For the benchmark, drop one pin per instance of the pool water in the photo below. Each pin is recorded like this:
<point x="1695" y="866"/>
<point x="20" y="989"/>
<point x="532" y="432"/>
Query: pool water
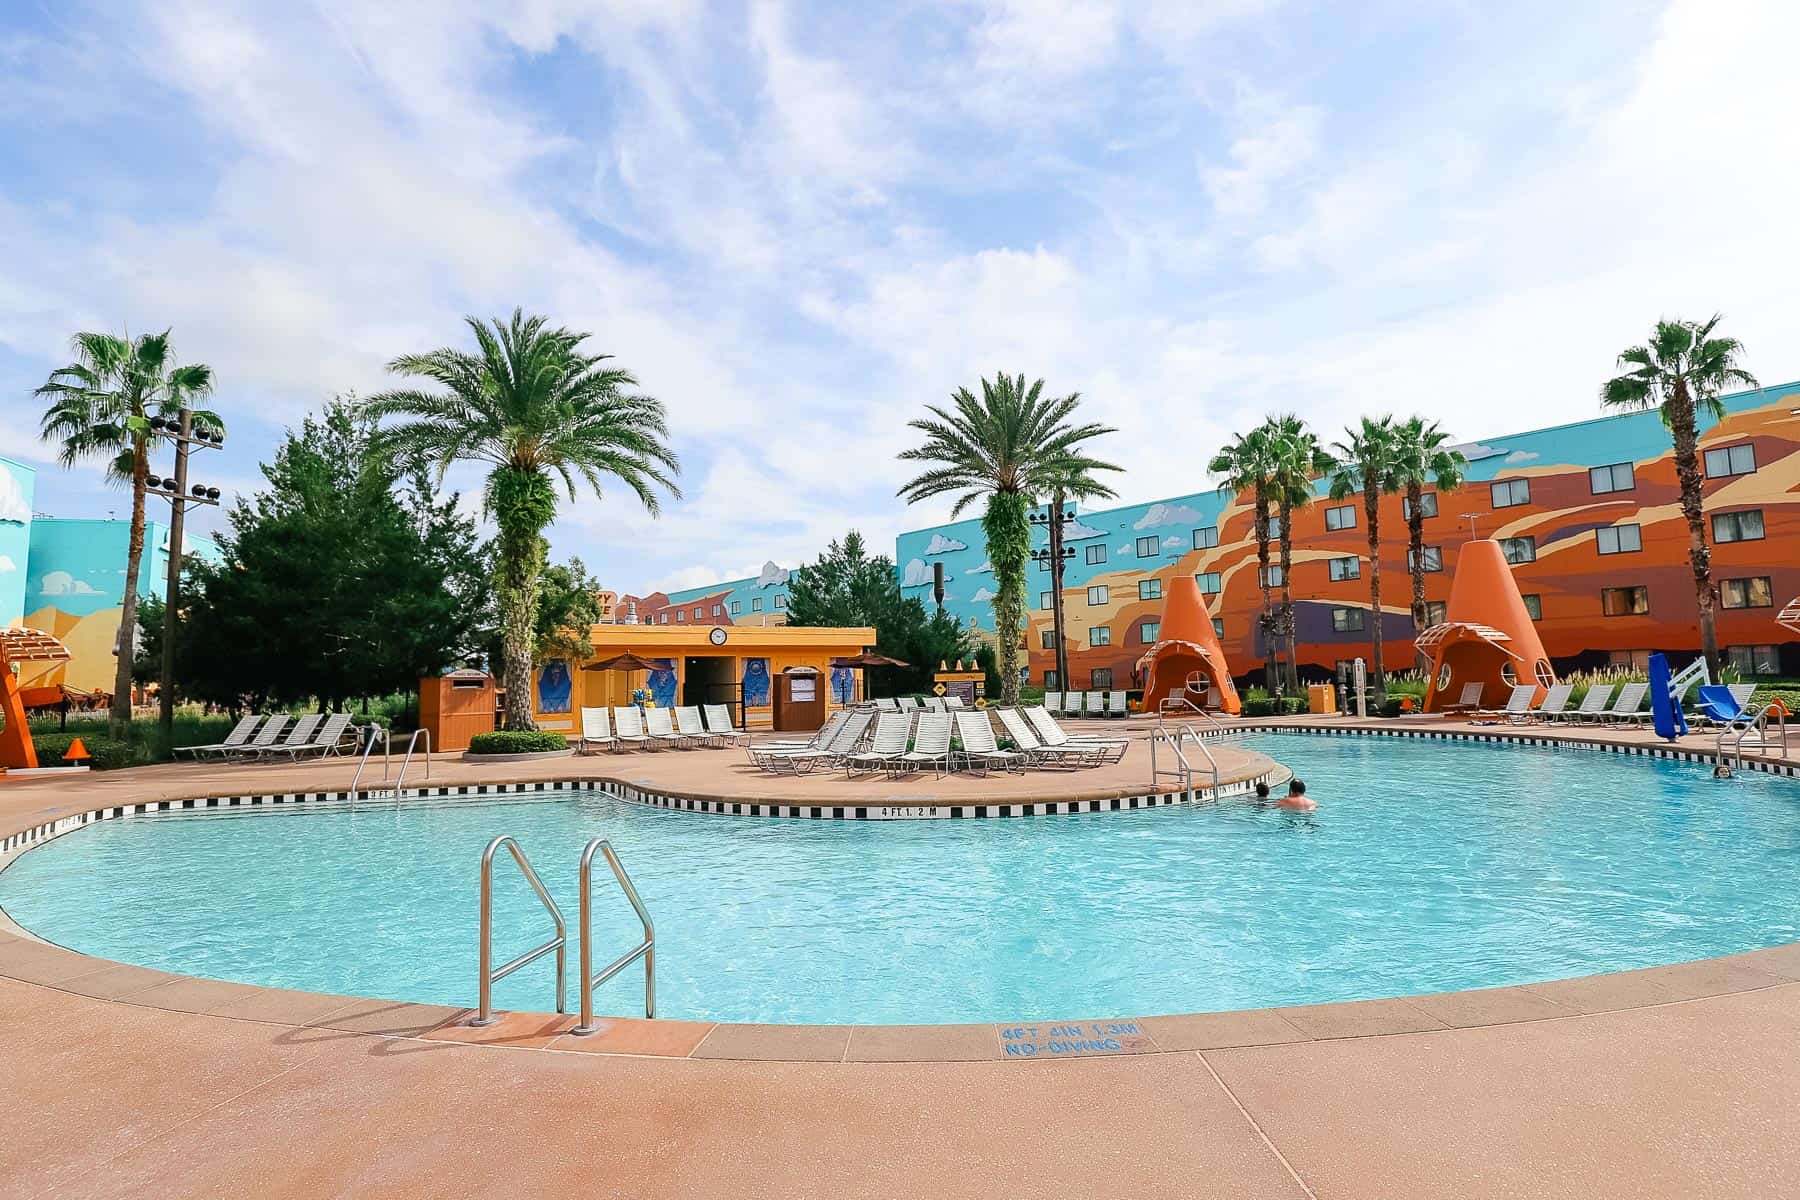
<point x="1428" y="866"/>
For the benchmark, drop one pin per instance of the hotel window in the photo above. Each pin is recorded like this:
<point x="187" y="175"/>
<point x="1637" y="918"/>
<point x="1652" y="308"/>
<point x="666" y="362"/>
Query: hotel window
<point x="1433" y="556"/>
<point x="1270" y="576"/>
<point x="1434" y="612"/>
<point x="1614" y="478"/>
<point x="1344" y="568"/>
<point x="1625" y="601"/>
<point x="1619" y="539"/>
<point x="1510" y="493"/>
<point x="1754" y="660"/>
<point x="1730" y="460"/>
<point x="1210" y="583"/>
<point x="1634" y="660"/>
<point x="1746" y="526"/>
<point x="1147" y="546"/>
<point x="1206" y="538"/>
<point x="1149" y="589"/>
<point x="1218" y="627"/>
<point x="1044" y="601"/>
<point x="781" y="601"/>
<point x="1274" y="528"/>
<point x="1427" y="506"/>
<point x="737" y="606"/>
<point x="1148" y="631"/>
<point x="665" y="618"/>
<point x="1047" y="639"/>
<point x="1341" y="516"/>
<point x="1097" y="594"/>
<point x="1519" y="549"/>
<point x="718" y="610"/>
<point x="1042" y="558"/>
<point x="756" y="604"/>
<point x="1347" y="620"/>
<point x="1534" y="605"/>
<point x="1100" y="678"/>
<point x="1100" y="635"/>
<point x="1050" y="683"/>
<point x="1095" y="555"/>
<point x="1754" y="592"/>
<point x="681" y="615"/>
<point x="700" y="613"/>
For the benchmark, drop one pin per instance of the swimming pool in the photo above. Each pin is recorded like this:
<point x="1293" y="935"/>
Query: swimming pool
<point x="1429" y="866"/>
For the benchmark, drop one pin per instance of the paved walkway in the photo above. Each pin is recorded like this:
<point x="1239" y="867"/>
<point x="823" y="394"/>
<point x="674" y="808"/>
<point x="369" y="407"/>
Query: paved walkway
<point x="1679" y="1081"/>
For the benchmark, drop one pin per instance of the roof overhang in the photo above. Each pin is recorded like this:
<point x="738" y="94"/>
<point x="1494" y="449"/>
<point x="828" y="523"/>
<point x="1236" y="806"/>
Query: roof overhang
<point x="31" y="645"/>
<point x="1789" y="617"/>
<point x="1172" y="645"/>
<point x="1450" y="633"/>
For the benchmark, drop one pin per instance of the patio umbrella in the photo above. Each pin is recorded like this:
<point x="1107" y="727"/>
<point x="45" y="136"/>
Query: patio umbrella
<point x="626" y="662"/>
<point x="868" y="658"/>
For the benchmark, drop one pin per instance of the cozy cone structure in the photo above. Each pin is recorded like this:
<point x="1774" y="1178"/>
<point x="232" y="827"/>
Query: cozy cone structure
<point x="1186" y="646"/>
<point x="1486" y="637"/>
<point x="21" y="646"/>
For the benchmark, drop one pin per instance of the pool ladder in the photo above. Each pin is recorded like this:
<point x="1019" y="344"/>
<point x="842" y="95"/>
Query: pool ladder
<point x="1182" y="769"/>
<point x="1755" y="730"/>
<point x="645" y="949"/>
<point x="387" y="762"/>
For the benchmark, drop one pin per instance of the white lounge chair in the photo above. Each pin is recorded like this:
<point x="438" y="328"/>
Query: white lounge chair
<point x="1051" y="734"/>
<point x="934" y="704"/>
<point x="240" y="735"/>
<point x="628" y="727"/>
<point x="1469" y="701"/>
<point x="798" y="762"/>
<point x="952" y="701"/>
<point x="893" y="730"/>
<point x="718" y="723"/>
<point x="1053" y="701"/>
<point x="659" y="727"/>
<point x="327" y="738"/>
<point x="931" y="744"/>
<point x="979" y="746"/>
<point x="596" y="731"/>
<point x="1117" y="705"/>
<point x="1027" y="742"/>
<point x="1094" y="705"/>
<point x="820" y="738"/>
<point x="1626" y="709"/>
<point x="1517" y="704"/>
<point x="1555" y="700"/>
<point x="689" y="725"/>
<point x="1591" y="705"/>
<point x="1074" y="703"/>
<point x="886" y="704"/>
<point x="265" y="737"/>
<point x="908" y="703"/>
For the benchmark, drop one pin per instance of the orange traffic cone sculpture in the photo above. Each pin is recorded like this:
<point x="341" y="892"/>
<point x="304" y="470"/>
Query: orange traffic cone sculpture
<point x="1486" y="637"/>
<point x="1187" y="661"/>
<point x="76" y="754"/>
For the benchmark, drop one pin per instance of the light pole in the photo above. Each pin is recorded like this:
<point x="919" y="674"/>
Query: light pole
<point x="1057" y="514"/>
<point x="180" y="430"/>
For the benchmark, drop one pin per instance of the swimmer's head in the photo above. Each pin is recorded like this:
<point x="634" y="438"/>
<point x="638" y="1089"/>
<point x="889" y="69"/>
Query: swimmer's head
<point x="1262" y="791"/>
<point x="1297" y="786"/>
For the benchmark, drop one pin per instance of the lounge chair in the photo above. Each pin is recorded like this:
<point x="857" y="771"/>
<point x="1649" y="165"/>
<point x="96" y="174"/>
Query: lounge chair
<point x="934" y="704"/>
<point x="718" y="724"/>
<point x="1517" y="704"/>
<point x="1469" y="702"/>
<point x="240" y="735"/>
<point x="979" y="746"/>
<point x="1053" y="701"/>
<point x="628" y="726"/>
<point x="843" y="742"/>
<point x="1724" y="704"/>
<point x="819" y="740"/>
<point x="931" y="744"/>
<point x="298" y="734"/>
<point x="328" y="738"/>
<point x="952" y="701"/>
<point x="886" y="704"/>
<point x="1027" y="742"/>
<point x="265" y="737"/>
<point x="1117" y="705"/>
<point x="1555" y="700"/>
<point x="908" y="703"/>
<point x="1592" y="705"/>
<point x="1073" y="704"/>
<point x="659" y="727"/>
<point x="892" y="732"/>
<point x="1094" y="704"/>
<point x="1051" y="734"/>
<point x="596" y="731"/>
<point x="689" y="725"/>
<point x="1627" y="709"/>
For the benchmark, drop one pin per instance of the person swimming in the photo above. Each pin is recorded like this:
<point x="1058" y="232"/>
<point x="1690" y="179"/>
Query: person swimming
<point x="1262" y="790"/>
<point x="1296" y="797"/>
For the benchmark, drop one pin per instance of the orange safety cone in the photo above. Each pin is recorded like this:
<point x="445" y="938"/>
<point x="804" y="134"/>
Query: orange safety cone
<point x="76" y="754"/>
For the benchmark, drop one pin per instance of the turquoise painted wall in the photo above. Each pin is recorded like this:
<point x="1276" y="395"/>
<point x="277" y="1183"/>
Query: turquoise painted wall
<point x="78" y="566"/>
<point x="18" y="484"/>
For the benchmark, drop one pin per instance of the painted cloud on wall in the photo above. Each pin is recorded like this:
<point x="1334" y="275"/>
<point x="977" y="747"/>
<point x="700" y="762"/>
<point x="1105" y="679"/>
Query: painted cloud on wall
<point x="772" y="576"/>
<point x="918" y="574"/>
<point x="7" y="564"/>
<point x="1174" y="543"/>
<point x="1167" y="514"/>
<point x="1075" y="531"/>
<point x="13" y="509"/>
<point x="981" y="596"/>
<point x="944" y="545"/>
<point x="986" y="568"/>
<point x="1520" y="456"/>
<point x="61" y="583"/>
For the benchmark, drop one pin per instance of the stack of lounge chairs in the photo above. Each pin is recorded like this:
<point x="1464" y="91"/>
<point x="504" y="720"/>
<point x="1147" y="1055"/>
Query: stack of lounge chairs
<point x="273" y="738"/>
<point x="630" y="728"/>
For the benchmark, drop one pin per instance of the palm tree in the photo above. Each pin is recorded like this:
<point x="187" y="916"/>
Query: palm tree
<point x="1079" y="485"/>
<point x="1296" y="459"/>
<point x="1011" y="445"/>
<point x="101" y="406"/>
<point x="1246" y="465"/>
<point x="535" y="409"/>
<point x="1365" y="463"/>
<point x="1681" y="373"/>
<point x="1421" y="454"/>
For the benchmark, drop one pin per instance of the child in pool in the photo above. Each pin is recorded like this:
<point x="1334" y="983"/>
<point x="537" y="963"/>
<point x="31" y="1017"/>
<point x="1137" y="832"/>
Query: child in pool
<point x="1296" y="798"/>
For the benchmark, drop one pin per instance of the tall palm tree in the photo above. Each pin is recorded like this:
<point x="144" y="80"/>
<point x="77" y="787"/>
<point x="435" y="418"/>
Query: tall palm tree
<point x="101" y="406"/>
<point x="1080" y="484"/>
<point x="1010" y="445"/>
<point x="1422" y="454"/>
<point x="1365" y="464"/>
<point x="1681" y="373"/>
<point x="1296" y="459"/>
<point x="535" y="409"/>
<point x="1246" y="465"/>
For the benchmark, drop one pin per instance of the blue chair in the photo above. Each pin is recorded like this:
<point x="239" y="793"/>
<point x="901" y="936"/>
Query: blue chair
<point x="1720" y="705"/>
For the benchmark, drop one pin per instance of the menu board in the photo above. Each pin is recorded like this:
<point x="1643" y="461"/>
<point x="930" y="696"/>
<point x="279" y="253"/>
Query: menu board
<point x="803" y="689"/>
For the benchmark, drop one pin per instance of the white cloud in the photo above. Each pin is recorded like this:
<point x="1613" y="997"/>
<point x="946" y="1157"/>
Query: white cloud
<point x="1174" y="543"/>
<point x="1520" y="456"/>
<point x="61" y="583"/>
<point x="918" y="574"/>
<point x="7" y="564"/>
<point x="944" y="545"/>
<point x="771" y="575"/>
<point x="1274" y="143"/>
<point x="981" y="596"/>
<point x="1167" y="514"/>
<point x="986" y="568"/>
<point x="1075" y="531"/>
<point x="13" y="509"/>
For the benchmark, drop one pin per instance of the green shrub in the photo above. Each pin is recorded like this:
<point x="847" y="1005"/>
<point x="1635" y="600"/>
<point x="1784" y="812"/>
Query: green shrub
<point x="517" y="741"/>
<point x="104" y="754"/>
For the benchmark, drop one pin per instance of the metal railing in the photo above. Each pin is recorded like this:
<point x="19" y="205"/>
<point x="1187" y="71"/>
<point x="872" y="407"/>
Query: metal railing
<point x="406" y="762"/>
<point x="387" y="762"/>
<point x="645" y="949"/>
<point x="362" y="760"/>
<point x="560" y="943"/>
<point x="1740" y="731"/>
<point x="1183" y="768"/>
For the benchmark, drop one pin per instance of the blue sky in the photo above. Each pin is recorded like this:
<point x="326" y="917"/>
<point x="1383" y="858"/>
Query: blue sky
<point x="798" y="223"/>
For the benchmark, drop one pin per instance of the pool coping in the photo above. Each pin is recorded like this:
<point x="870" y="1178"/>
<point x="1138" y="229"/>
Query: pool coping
<point x="26" y="958"/>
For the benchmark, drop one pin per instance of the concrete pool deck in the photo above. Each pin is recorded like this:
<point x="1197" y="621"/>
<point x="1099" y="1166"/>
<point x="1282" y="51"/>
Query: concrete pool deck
<point x="1676" y="1081"/>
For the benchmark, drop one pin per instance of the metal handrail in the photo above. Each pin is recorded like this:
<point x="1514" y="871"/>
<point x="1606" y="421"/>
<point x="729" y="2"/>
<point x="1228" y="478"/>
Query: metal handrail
<point x="645" y="949"/>
<point x="363" y="759"/>
<point x="559" y="943"/>
<point x="406" y="762"/>
<point x="1185" y="772"/>
<point x="1758" y="725"/>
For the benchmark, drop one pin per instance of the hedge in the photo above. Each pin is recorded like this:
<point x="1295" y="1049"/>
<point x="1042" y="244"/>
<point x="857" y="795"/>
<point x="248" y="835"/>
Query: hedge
<point x="104" y="753"/>
<point x="517" y="741"/>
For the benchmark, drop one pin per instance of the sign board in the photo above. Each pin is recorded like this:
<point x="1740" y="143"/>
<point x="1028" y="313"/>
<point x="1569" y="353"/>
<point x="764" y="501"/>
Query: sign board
<point x="939" y="689"/>
<point x="967" y="689"/>
<point x="805" y="689"/>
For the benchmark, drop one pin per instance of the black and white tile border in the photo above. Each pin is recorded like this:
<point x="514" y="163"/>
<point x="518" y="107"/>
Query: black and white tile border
<point x="1790" y="770"/>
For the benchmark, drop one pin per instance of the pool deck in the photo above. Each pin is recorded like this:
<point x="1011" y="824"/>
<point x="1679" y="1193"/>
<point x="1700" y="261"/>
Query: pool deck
<point x="1670" y="1081"/>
